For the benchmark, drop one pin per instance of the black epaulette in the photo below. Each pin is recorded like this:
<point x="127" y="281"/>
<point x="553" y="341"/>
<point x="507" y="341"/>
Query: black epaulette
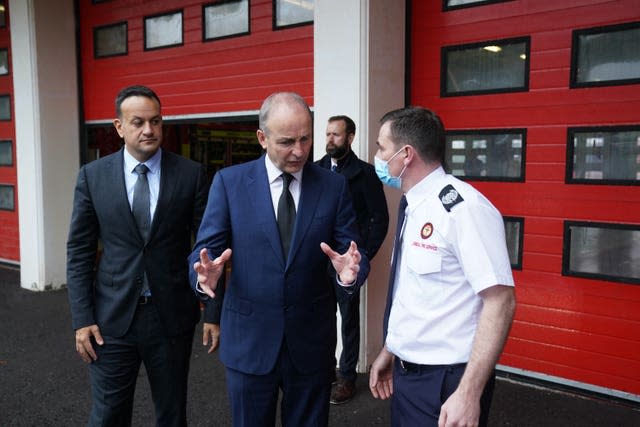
<point x="449" y="197"/>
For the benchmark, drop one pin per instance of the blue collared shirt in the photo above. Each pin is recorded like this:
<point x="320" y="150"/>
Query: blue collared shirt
<point x="153" y="177"/>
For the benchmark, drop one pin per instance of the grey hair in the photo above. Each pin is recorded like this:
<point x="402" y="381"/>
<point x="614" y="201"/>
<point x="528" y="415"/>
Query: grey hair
<point x="275" y="99"/>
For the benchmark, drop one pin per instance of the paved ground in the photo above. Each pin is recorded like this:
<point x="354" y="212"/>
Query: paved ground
<point x="44" y="383"/>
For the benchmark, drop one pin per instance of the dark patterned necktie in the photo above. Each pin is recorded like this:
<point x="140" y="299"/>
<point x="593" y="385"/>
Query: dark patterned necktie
<point x="394" y="263"/>
<point x="141" y="201"/>
<point x="286" y="214"/>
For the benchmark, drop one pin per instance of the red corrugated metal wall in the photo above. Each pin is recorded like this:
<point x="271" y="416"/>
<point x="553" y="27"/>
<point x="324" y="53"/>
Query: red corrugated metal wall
<point x="233" y="74"/>
<point x="9" y="237"/>
<point x="579" y="329"/>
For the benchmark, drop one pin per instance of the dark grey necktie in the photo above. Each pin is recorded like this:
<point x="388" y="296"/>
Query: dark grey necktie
<point x="394" y="264"/>
<point x="141" y="201"/>
<point x="286" y="214"/>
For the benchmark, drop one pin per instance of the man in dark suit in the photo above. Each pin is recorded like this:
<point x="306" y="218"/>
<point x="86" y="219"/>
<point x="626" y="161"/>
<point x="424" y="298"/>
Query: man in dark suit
<point x="280" y="216"/>
<point x="133" y="303"/>
<point x="372" y="218"/>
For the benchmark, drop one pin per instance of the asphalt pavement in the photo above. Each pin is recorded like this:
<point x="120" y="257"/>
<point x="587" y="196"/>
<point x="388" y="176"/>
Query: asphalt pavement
<point x="44" y="383"/>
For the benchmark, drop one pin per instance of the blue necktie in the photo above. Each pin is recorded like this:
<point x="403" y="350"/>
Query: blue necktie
<point x="334" y="168"/>
<point x="394" y="263"/>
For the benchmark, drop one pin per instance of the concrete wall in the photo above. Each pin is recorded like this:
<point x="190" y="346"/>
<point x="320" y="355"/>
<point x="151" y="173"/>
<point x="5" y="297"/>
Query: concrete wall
<point x="47" y="136"/>
<point x="359" y="58"/>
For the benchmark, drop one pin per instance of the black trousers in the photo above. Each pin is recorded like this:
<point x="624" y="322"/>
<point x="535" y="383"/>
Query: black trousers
<point x="419" y="392"/>
<point x="113" y="375"/>
<point x="349" y="306"/>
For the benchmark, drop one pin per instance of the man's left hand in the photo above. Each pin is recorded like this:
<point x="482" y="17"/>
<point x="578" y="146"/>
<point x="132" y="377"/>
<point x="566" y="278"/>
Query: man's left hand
<point x="211" y="333"/>
<point x="346" y="265"/>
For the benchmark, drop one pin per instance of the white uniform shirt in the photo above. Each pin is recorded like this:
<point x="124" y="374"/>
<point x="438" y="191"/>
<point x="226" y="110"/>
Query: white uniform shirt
<point x="446" y="259"/>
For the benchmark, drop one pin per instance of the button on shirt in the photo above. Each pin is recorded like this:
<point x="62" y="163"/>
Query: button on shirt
<point x="446" y="259"/>
<point x="153" y="177"/>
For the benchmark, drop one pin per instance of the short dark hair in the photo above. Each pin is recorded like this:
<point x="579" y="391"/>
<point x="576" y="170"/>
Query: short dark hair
<point x="350" y="126"/>
<point x="419" y="127"/>
<point x="135" y="90"/>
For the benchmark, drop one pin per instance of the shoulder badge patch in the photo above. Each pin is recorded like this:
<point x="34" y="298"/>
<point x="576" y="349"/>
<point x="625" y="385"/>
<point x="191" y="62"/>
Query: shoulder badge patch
<point x="449" y="197"/>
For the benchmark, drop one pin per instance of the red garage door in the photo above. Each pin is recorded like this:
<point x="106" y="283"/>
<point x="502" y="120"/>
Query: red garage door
<point x="542" y="104"/>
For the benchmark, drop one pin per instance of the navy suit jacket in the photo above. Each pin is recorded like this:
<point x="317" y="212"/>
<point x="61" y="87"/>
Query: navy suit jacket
<point x="106" y="292"/>
<point x="267" y="300"/>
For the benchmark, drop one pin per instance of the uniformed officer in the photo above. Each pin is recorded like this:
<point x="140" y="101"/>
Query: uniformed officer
<point x="451" y="301"/>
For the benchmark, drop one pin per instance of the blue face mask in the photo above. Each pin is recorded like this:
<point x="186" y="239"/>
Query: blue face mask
<point x="382" y="170"/>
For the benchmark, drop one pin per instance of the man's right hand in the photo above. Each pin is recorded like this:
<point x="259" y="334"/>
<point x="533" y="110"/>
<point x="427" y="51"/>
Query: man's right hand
<point x="381" y="375"/>
<point x="83" y="342"/>
<point x="209" y="271"/>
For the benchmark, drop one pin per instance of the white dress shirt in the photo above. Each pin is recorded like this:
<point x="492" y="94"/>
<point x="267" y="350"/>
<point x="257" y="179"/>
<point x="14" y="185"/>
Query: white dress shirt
<point x="275" y="184"/>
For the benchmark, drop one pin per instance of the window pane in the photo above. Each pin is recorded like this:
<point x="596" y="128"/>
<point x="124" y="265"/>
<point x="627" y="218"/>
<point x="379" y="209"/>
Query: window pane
<point x="603" y="250"/>
<point x="110" y="40"/>
<point x="4" y="62"/>
<point x="513" y="228"/>
<point x="605" y="155"/>
<point x="6" y="153"/>
<point x="7" y="197"/>
<point x="5" y="107"/>
<point x="494" y="66"/>
<point x="606" y="56"/>
<point x="163" y="31"/>
<point x="456" y="4"/>
<point x="292" y="12"/>
<point x="3" y="11"/>
<point x="225" y="19"/>
<point x="496" y="155"/>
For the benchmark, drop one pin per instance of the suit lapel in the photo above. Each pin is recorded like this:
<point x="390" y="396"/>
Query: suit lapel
<point x="309" y="197"/>
<point x="259" y="191"/>
<point x="115" y="174"/>
<point x="166" y="191"/>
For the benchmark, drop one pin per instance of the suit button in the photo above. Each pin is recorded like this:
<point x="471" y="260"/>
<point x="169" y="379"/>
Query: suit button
<point x="286" y="308"/>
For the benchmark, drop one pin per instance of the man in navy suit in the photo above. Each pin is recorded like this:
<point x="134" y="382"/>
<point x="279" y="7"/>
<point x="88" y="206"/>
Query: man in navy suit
<point x="277" y="313"/>
<point x="132" y="303"/>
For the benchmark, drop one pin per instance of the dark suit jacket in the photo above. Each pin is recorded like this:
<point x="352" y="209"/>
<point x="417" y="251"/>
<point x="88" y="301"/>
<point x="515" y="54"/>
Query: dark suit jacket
<point x="267" y="301"/>
<point x="368" y="198"/>
<point x="108" y="295"/>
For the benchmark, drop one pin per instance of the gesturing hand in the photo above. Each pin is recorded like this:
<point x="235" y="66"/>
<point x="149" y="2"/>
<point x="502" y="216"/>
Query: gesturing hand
<point x="346" y="265"/>
<point x="209" y="271"/>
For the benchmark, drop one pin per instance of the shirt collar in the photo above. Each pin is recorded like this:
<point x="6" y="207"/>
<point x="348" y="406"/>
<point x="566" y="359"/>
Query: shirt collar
<point x="153" y="163"/>
<point x="274" y="173"/>
<point x="425" y="186"/>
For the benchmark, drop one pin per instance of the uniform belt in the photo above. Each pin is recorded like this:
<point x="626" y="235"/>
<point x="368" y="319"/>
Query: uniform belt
<point x="415" y="367"/>
<point x="412" y="367"/>
<point x="144" y="299"/>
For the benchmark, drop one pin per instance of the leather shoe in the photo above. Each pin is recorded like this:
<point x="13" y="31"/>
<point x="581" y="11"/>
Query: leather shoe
<point x="342" y="391"/>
